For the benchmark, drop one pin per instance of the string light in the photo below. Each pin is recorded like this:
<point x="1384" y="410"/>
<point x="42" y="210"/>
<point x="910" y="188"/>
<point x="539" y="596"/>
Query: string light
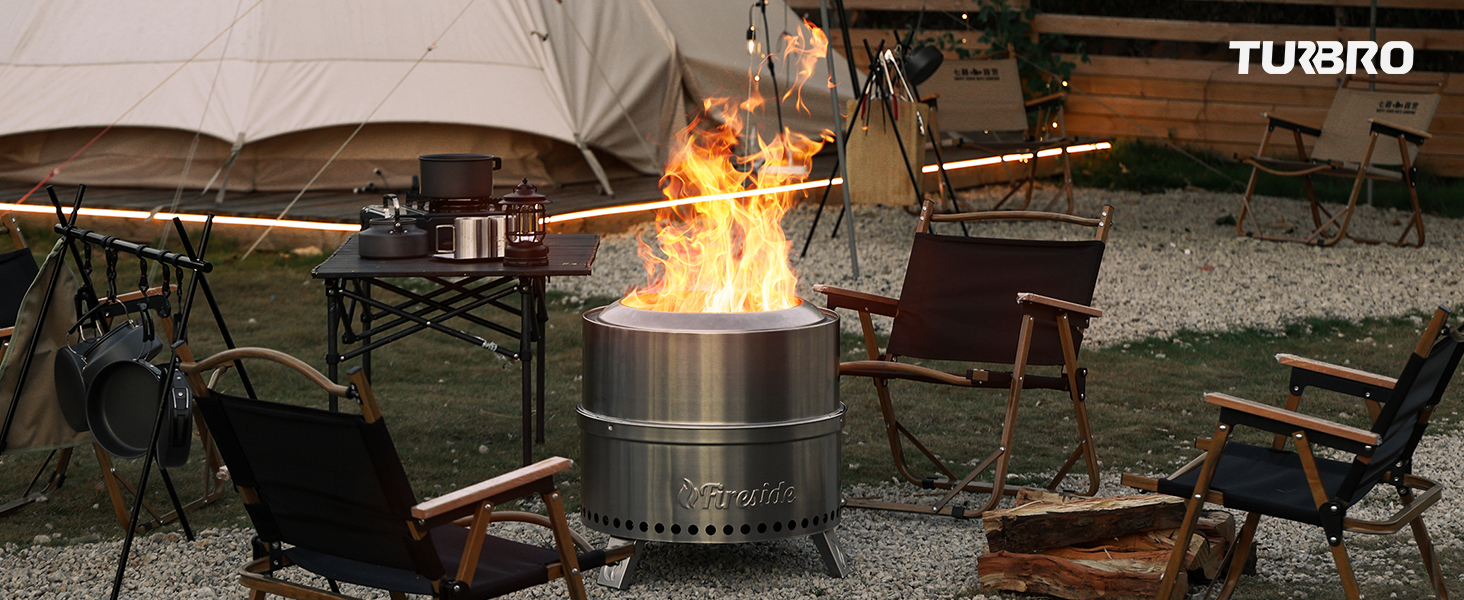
<point x="113" y="213"/>
<point x="950" y="166"/>
<point x="561" y="218"/>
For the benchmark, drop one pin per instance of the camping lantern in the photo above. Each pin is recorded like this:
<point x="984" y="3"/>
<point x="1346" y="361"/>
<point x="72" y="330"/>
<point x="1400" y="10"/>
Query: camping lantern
<point x="525" y="209"/>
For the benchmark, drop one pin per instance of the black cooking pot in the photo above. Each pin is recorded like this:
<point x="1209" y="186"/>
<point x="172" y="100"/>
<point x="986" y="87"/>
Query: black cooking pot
<point x="71" y="383"/>
<point x="394" y="238"/>
<point x="458" y="175"/>
<point x="177" y="434"/>
<point x="77" y="366"/>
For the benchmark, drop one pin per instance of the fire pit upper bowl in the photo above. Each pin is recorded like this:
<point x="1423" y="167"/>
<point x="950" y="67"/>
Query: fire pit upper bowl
<point x="710" y="368"/>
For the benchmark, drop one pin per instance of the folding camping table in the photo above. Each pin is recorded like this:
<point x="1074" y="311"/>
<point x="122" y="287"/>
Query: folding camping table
<point x="458" y="289"/>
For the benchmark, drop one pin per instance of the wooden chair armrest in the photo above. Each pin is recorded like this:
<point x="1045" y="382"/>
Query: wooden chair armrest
<point x="6" y="332"/>
<point x="1139" y="482"/>
<point x="1273" y="122"/>
<point x="1030" y="298"/>
<point x="858" y="301"/>
<point x="484" y="490"/>
<point x="885" y="369"/>
<point x="1293" y="420"/>
<point x="1316" y="366"/>
<point x="1414" y="136"/>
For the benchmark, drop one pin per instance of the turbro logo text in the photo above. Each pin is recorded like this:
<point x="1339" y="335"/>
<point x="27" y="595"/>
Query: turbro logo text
<point x="1327" y="57"/>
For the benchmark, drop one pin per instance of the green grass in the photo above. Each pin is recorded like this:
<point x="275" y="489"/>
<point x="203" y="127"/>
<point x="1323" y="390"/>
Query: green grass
<point x="1149" y="167"/>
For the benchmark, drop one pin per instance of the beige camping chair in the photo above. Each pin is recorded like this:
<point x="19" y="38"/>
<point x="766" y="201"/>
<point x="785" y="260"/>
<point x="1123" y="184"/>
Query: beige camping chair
<point x="1348" y="145"/>
<point x="982" y="106"/>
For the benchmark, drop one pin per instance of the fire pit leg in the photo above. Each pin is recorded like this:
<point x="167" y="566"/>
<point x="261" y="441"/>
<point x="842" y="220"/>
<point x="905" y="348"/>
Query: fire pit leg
<point x="832" y="553"/>
<point x="621" y="574"/>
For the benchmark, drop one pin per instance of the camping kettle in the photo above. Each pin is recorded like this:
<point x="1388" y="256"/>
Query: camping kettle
<point x="397" y="237"/>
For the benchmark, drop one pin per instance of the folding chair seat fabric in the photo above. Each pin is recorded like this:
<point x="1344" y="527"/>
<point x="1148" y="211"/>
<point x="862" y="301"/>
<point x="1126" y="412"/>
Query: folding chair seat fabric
<point x="1367" y="135"/>
<point x="950" y="280"/>
<point x="326" y="491"/>
<point x="1295" y="484"/>
<point x="1017" y="302"/>
<point x="18" y="269"/>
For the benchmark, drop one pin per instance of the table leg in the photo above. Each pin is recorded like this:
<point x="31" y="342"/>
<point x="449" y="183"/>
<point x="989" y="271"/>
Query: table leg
<point x="541" y="330"/>
<point x="366" y="326"/>
<point x="332" y="331"/>
<point x="526" y="359"/>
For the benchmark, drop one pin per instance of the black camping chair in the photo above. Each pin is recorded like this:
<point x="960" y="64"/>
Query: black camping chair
<point x="18" y="269"/>
<point x="1015" y="302"/>
<point x="1297" y="485"/>
<point x="327" y="492"/>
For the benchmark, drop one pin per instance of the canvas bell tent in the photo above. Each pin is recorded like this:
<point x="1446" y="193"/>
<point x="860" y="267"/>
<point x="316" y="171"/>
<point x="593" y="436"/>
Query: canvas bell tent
<point x="565" y="92"/>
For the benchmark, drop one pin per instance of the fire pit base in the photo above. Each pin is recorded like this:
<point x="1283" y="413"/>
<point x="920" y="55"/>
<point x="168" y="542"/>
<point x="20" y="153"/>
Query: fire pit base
<point x="622" y="574"/>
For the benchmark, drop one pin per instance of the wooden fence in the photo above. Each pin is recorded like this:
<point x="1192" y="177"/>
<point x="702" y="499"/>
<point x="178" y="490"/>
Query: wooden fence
<point x="1199" y="103"/>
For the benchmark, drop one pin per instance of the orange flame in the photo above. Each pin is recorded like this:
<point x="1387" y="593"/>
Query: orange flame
<point x="730" y="255"/>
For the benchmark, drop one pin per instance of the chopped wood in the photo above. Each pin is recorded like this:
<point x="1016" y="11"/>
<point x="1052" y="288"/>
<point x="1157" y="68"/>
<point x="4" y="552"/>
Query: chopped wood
<point x="1041" y="525"/>
<point x="1075" y="578"/>
<point x="1125" y="563"/>
<point x="1029" y="495"/>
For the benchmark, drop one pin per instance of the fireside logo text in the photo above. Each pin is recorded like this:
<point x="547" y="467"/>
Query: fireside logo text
<point x="1329" y="57"/>
<point x="716" y="496"/>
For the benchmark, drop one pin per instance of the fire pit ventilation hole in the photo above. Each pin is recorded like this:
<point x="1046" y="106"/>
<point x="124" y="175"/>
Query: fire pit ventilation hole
<point x="713" y="530"/>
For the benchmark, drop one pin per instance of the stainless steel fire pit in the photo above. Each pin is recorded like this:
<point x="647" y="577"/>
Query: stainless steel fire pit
<point x="711" y="428"/>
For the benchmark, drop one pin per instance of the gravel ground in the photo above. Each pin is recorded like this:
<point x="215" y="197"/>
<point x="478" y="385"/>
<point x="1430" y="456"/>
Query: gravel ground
<point x="1168" y="267"/>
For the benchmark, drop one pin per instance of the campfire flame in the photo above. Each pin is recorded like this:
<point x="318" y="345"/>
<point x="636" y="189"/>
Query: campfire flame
<point x="730" y="255"/>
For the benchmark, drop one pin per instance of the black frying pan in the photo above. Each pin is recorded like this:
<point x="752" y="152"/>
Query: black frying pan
<point x="122" y="402"/>
<point x="77" y="366"/>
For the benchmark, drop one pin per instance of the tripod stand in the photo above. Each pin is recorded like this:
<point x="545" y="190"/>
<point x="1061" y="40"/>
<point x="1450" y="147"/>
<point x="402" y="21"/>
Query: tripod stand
<point x="886" y="84"/>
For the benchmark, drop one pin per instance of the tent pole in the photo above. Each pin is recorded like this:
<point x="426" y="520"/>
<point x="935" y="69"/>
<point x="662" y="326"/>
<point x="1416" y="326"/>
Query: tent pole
<point x="823" y="6"/>
<point x="595" y="166"/>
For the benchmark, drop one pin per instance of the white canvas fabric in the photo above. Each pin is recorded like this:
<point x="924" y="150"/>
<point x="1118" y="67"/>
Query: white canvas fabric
<point x="291" y="80"/>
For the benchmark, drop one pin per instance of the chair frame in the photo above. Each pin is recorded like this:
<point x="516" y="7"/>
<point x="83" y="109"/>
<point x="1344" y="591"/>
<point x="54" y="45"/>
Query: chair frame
<point x="1416" y="493"/>
<point x="1323" y="220"/>
<point x="472" y="507"/>
<point x="880" y="366"/>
